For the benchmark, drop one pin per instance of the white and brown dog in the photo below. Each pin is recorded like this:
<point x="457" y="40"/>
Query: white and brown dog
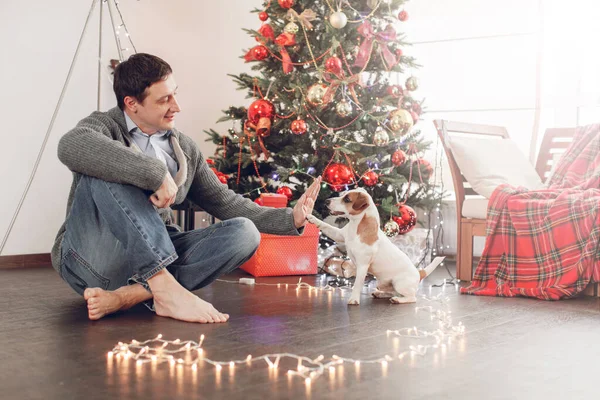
<point x="371" y="250"/>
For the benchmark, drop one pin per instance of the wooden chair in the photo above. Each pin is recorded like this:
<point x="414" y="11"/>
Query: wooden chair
<point x="469" y="225"/>
<point x="554" y="143"/>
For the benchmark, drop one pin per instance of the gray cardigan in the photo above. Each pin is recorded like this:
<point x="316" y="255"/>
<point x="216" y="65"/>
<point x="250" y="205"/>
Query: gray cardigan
<point x="100" y="146"/>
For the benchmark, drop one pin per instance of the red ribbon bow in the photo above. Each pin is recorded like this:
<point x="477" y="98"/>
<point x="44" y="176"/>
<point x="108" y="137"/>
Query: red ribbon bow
<point x="286" y="39"/>
<point x="258" y="130"/>
<point x="334" y="84"/>
<point x="382" y="38"/>
<point x="266" y="31"/>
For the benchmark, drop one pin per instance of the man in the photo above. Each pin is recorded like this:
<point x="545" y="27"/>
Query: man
<point x="118" y="246"/>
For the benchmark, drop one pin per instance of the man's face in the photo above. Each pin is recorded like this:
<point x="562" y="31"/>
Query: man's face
<point x="157" y="111"/>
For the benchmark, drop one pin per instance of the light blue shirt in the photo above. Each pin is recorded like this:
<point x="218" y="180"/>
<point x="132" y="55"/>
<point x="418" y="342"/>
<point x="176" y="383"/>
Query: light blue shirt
<point x="157" y="145"/>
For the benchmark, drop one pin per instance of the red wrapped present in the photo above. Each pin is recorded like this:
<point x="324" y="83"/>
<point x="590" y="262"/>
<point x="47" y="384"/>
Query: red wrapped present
<point x="273" y="200"/>
<point x="284" y="255"/>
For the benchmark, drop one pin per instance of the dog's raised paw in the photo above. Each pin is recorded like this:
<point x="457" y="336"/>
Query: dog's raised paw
<point x="312" y="219"/>
<point x="353" y="302"/>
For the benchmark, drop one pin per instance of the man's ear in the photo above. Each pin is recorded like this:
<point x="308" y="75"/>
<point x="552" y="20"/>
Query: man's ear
<point x="361" y="202"/>
<point x="130" y="103"/>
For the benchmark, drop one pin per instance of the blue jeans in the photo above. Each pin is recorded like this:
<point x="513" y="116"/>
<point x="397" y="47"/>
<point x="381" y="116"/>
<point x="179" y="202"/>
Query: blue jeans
<point x="114" y="237"/>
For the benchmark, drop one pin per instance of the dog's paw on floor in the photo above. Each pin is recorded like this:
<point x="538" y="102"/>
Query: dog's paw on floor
<point x="379" y="294"/>
<point x="403" y="300"/>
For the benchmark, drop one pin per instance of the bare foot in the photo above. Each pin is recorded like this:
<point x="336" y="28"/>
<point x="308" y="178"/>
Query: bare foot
<point x="101" y="302"/>
<point x="174" y="301"/>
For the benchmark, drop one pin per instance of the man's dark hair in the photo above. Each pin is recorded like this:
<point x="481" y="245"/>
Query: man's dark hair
<point x="139" y="72"/>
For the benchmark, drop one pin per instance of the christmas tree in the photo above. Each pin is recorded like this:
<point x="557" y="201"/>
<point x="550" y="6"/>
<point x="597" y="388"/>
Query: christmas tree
<point x="331" y="97"/>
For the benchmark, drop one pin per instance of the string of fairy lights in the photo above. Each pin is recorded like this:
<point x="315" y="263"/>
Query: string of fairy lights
<point x="189" y="353"/>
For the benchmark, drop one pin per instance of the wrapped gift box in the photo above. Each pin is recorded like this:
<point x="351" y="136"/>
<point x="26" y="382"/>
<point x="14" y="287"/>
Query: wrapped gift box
<point x="284" y="255"/>
<point x="273" y="200"/>
<point x="414" y="244"/>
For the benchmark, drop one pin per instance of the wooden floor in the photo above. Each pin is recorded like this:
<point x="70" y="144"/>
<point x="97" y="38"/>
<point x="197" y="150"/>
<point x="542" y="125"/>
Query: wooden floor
<point x="513" y="348"/>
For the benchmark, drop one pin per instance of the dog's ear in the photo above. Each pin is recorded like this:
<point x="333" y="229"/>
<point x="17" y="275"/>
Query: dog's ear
<point x="361" y="202"/>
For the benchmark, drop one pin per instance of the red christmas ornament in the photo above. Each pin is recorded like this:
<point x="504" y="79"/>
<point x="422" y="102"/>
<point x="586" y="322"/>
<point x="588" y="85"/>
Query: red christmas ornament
<point x="260" y="114"/>
<point x="403" y="15"/>
<point x="414" y="116"/>
<point x="286" y="3"/>
<point x="266" y="33"/>
<point x="395" y="90"/>
<point x="407" y="219"/>
<point x="370" y="178"/>
<point x="416" y="107"/>
<point x="286" y="191"/>
<point x="263" y="16"/>
<point x="222" y="177"/>
<point x="425" y="168"/>
<point x="333" y="65"/>
<point x="399" y="53"/>
<point x="338" y="176"/>
<point x="398" y="158"/>
<point x="260" y="109"/>
<point x="260" y="52"/>
<point x="257" y="53"/>
<point x="299" y="127"/>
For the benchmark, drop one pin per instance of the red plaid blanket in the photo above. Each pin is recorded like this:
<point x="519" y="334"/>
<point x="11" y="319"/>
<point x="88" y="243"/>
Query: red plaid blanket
<point x="544" y="243"/>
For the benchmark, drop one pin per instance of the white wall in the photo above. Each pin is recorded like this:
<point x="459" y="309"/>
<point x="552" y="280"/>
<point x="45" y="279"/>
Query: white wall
<point x="201" y="40"/>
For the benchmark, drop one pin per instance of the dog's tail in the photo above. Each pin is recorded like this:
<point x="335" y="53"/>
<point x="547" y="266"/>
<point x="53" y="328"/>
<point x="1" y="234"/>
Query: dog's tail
<point x="431" y="267"/>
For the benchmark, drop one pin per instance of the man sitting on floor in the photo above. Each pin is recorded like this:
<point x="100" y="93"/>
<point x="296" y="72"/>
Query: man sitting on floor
<point x="118" y="246"/>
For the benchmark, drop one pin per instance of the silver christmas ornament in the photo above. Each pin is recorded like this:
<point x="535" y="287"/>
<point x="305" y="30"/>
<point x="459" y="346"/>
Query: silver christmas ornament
<point x="380" y="137"/>
<point x="338" y="20"/>
<point x="343" y="108"/>
<point x="292" y="28"/>
<point x="391" y="228"/>
<point x="412" y="83"/>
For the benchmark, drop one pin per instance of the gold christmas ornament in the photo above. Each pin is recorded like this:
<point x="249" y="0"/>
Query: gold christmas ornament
<point x="391" y="228"/>
<point x="401" y="122"/>
<point x="340" y="266"/>
<point x="316" y="93"/>
<point x="412" y="83"/>
<point x="291" y="28"/>
<point x="380" y="137"/>
<point x="343" y="108"/>
<point x="372" y="4"/>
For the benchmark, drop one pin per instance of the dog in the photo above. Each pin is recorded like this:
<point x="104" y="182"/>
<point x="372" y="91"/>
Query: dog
<point x="371" y="250"/>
